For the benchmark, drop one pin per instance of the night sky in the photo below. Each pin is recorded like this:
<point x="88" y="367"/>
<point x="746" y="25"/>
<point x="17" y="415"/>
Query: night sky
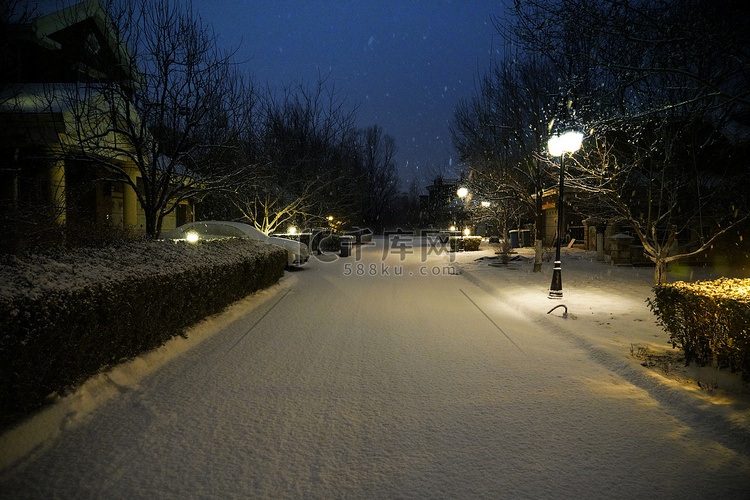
<point x="404" y="63"/>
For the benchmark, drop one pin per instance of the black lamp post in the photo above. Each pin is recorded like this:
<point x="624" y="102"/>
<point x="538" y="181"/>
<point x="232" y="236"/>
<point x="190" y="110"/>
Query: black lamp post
<point x="568" y="142"/>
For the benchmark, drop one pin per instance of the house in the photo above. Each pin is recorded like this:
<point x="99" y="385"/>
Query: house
<point x="575" y="228"/>
<point x="52" y="60"/>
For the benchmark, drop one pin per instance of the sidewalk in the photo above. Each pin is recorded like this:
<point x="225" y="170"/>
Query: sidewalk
<point x="608" y="317"/>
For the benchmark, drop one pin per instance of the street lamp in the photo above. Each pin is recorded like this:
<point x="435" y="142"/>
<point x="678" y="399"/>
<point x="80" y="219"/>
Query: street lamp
<point x="462" y="193"/>
<point x="558" y="145"/>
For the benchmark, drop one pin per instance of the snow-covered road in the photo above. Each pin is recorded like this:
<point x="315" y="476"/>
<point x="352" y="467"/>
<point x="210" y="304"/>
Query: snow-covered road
<point x="382" y="378"/>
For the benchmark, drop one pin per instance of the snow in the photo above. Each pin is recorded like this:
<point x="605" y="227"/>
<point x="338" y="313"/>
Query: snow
<point x="410" y="384"/>
<point x="36" y="434"/>
<point x="85" y="267"/>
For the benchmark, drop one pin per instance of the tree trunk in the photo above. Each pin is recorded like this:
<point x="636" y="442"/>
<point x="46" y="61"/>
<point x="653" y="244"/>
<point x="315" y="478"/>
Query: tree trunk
<point x="539" y="226"/>
<point x="151" y="217"/>
<point x="506" y="248"/>
<point x="538" y="252"/>
<point x="660" y="271"/>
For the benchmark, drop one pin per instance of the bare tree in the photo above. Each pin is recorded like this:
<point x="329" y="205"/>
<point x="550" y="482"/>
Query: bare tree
<point x="301" y="159"/>
<point x="166" y="118"/>
<point x="495" y="198"/>
<point x="501" y="128"/>
<point x="658" y="87"/>
<point x="378" y="178"/>
<point x="667" y="181"/>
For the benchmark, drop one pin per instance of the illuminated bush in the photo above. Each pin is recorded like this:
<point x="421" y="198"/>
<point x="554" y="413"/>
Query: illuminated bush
<point x="465" y="243"/>
<point x="708" y="320"/>
<point x="471" y="243"/>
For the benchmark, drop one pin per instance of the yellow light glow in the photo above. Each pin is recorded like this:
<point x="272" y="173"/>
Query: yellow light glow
<point x="452" y="228"/>
<point x="467" y="231"/>
<point x="292" y="230"/>
<point x="192" y="237"/>
<point x="462" y="192"/>
<point x="330" y="217"/>
<point x="569" y="142"/>
<point x="486" y="204"/>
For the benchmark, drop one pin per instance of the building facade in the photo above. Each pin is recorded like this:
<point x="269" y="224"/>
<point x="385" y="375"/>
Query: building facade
<point x="51" y="59"/>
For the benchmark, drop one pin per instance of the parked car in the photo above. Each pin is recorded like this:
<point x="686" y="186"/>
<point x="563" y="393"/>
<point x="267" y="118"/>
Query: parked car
<point x="298" y="253"/>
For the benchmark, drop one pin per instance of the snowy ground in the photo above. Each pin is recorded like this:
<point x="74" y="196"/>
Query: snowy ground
<point x="608" y="312"/>
<point x="396" y="376"/>
<point x="608" y="316"/>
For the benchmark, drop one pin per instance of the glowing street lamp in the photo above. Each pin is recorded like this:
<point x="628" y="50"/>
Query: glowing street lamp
<point x="462" y="193"/>
<point x="568" y="142"/>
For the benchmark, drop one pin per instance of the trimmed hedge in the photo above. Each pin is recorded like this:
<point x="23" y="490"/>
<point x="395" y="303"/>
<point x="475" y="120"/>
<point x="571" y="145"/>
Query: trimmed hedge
<point x="708" y="320"/>
<point x="65" y="319"/>
<point x="471" y="243"/>
<point x="465" y="243"/>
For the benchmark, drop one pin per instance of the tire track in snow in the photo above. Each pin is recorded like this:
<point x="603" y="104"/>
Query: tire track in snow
<point x="491" y="320"/>
<point x="260" y="319"/>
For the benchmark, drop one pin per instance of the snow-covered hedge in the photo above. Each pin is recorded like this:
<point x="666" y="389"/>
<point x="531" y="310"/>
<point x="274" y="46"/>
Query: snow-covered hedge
<point x="708" y="320"/>
<point x="471" y="243"/>
<point x="65" y="317"/>
<point x="465" y="243"/>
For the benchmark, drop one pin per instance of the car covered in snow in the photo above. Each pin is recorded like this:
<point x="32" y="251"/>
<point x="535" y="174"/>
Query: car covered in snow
<point x="298" y="253"/>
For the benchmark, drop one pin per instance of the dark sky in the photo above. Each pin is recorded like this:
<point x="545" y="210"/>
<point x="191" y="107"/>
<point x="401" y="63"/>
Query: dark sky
<point x="404" y="63"/>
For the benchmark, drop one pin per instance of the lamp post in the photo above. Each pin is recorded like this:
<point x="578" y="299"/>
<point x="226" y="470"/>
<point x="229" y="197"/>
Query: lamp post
<point x="568" y="142"/>
<point x="462" y="193"/>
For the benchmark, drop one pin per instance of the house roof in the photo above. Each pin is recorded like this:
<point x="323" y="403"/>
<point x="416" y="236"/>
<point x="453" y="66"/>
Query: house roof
<point x="43" y="19"/>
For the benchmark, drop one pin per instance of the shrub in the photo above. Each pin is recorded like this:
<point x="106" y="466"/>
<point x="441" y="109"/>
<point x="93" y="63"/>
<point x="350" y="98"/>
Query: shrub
<point x="456" y="243"/>
<point x="64" y="318"/>
<point x="471" y="243"/>
<point x="708" y="320"/>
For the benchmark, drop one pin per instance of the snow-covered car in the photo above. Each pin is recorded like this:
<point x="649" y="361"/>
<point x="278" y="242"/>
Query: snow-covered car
<point x="298" y="253"/>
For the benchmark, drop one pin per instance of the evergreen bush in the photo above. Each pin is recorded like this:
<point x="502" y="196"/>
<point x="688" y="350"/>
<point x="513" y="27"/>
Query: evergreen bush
<point x="708" y="320"/>
<point x="471" y="243"/>
<point x="66" y="318"/>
